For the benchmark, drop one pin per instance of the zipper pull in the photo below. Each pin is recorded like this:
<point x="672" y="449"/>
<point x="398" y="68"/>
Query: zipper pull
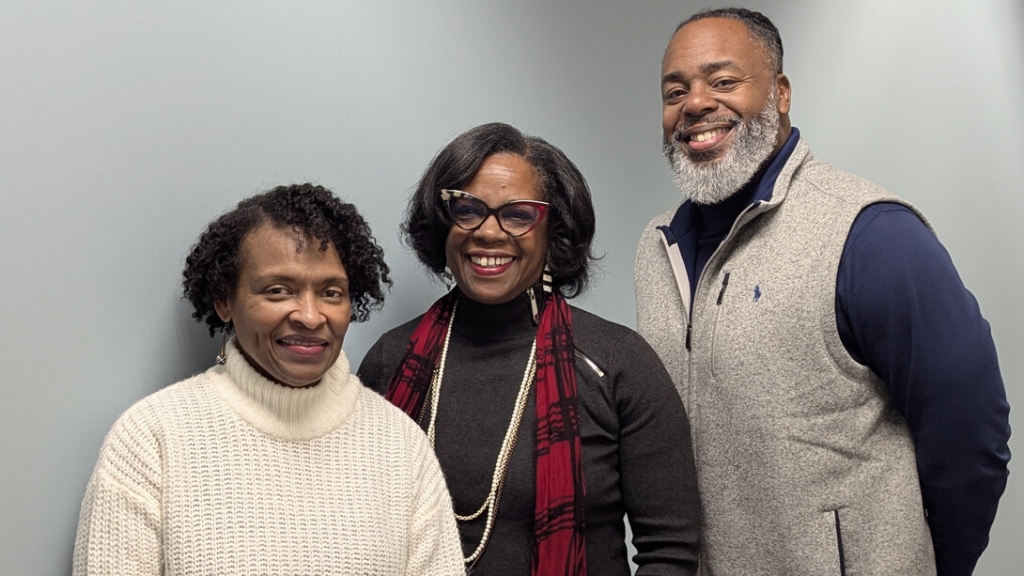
<point x="721" y="293"/>
<point x="689" y="329"/>
<point x="593" y="365"/>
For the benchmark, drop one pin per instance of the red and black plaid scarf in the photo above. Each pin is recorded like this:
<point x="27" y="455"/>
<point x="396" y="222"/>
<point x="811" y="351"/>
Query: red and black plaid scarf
<point x="558" y="547"/>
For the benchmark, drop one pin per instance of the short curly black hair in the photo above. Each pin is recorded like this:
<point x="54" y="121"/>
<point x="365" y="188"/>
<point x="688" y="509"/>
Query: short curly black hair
<point x="571" y="219"/>
<point x="212" y="267"/>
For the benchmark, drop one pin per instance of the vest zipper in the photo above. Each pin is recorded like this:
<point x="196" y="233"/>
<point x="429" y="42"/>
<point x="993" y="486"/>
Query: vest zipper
<point x="689" y="329"/>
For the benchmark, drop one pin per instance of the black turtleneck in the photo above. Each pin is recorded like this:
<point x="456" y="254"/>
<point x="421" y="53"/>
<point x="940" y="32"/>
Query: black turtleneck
<point x="636" y="444"/>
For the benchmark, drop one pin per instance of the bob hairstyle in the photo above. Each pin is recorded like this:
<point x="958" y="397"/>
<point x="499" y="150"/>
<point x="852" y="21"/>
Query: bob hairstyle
<point x="212" y="268"/>
<point x="570" y="219"/>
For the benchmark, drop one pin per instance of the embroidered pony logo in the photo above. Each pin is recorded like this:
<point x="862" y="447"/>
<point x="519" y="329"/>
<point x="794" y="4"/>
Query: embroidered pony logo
<point x="757" y="293"/>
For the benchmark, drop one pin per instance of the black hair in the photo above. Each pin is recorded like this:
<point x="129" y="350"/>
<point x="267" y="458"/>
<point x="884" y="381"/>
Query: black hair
<point x="762" y="31"/>
<point x="212" y="267"/>
<point x="570" y="220"/>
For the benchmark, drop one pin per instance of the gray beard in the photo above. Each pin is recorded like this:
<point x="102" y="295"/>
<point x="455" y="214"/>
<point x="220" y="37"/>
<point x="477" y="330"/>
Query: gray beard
<point x="711" y="182"/>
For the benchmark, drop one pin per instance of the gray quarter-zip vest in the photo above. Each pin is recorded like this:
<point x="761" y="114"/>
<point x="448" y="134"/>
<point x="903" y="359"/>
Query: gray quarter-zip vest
<point x="804" y="467"/>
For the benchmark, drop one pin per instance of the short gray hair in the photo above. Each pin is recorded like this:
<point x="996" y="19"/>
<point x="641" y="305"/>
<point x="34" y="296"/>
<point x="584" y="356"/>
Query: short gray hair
<point x="762" y="31"/>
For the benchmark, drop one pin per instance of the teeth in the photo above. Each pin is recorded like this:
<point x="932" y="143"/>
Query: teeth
<point x="490" y="262"/>
<point x="702" y="136"/>
<point x="291" y="342"/>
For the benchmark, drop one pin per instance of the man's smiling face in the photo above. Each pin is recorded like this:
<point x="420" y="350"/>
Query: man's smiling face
<point x="724" y="107"/>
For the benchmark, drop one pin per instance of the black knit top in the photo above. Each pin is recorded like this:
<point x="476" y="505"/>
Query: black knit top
<point x="637" y="457"/>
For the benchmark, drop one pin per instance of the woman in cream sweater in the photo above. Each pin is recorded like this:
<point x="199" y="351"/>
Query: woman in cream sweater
<point x="276" y="460"/>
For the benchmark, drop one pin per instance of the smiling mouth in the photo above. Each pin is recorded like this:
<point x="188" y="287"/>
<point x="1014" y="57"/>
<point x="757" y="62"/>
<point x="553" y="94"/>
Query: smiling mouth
<point x="490" y="261"/>
<point x="706" y="140"/>
<point x="302" y="343"/>
<point x="707" y="135"/>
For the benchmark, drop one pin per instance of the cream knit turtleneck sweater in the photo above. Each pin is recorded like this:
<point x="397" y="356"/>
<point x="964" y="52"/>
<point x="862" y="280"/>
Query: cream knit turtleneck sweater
<point x="229" y="473"/>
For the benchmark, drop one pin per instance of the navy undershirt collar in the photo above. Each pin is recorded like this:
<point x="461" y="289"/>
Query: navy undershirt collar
<point x="699" y="229"/>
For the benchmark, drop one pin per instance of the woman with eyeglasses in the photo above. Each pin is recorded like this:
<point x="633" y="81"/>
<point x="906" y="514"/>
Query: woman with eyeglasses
<point x="550" y="423"/>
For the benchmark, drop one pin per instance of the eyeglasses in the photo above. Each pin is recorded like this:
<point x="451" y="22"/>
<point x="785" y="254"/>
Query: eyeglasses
<point x="515" y="218"/>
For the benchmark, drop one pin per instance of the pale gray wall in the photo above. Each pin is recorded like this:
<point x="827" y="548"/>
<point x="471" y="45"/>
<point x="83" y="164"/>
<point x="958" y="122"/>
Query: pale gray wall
<point x="126" y="126"/>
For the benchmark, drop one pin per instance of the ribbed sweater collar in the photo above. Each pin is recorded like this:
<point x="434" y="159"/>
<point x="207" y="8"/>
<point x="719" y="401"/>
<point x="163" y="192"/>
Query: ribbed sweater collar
<point x="283" y="412"/>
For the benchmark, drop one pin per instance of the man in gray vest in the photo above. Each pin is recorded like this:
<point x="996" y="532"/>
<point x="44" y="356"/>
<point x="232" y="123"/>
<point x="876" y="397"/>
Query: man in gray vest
<point x="845" y="398"/>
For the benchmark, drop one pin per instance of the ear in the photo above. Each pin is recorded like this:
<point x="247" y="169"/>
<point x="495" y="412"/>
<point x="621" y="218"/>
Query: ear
<point x="223" y="311"/>
<point x="785" y="92"/>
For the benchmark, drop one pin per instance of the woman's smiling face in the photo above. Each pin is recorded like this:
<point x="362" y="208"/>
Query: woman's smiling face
<point x="490" y="266"/>
<point x="291" y="306"/>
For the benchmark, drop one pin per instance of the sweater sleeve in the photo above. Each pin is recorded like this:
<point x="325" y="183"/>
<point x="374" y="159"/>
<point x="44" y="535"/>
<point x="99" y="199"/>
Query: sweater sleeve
<point x="659" y="481"/>
<point x="120" y="523"/>
<point x="434" y="543"/>
<point x="902" y="310"/>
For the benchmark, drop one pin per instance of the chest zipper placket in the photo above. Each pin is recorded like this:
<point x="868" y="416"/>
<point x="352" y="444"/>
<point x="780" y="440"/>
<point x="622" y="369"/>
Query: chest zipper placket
<point x="745" y="216"/>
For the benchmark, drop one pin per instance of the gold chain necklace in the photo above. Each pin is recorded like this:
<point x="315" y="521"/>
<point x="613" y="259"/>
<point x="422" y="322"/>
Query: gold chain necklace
<point x="507" y="445"/>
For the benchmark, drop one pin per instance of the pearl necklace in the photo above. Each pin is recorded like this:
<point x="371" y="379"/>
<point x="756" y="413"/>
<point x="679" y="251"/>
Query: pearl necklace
<point x="507" y="445"/>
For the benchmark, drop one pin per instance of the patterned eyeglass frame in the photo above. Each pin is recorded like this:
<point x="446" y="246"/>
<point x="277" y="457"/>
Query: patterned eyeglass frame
<point x="448" y="194"/>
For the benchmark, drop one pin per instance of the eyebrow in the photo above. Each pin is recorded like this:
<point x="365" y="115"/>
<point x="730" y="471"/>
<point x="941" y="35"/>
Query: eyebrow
<point x="705" y="69"/>
<point x="271" y="278"/>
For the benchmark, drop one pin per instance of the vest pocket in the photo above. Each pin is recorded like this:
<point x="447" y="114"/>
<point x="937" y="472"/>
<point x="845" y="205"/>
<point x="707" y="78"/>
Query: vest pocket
<point x="832" y="518"/>
<point x="718" y="317"/>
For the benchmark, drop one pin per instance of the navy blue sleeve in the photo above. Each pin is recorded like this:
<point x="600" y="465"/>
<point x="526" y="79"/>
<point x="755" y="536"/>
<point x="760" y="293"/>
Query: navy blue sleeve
<point x="903" y="311"/>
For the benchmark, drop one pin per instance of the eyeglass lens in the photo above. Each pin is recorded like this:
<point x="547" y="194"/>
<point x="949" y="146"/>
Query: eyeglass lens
<point x="515" y="218"/>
